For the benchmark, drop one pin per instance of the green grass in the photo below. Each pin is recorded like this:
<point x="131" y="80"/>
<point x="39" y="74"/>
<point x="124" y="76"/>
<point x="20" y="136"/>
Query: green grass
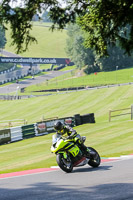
<point x="109" y="138"/>
<point x="50" y="44"/>
<point x="75" y="79"/>
<point x="68" y="104"/>
<point x="44" y="24"/>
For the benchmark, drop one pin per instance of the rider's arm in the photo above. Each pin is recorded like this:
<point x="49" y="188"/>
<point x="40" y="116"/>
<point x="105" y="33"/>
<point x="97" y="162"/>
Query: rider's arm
<point x="71" y="132"/>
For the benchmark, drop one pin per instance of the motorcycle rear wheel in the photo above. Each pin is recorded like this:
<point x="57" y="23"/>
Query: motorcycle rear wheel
<point x="94" y="162"/>
<point x="64" y="164"/>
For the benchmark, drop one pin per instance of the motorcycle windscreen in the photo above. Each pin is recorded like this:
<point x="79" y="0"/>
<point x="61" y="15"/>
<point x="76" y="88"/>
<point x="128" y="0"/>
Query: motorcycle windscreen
<point x="55" y="138"/>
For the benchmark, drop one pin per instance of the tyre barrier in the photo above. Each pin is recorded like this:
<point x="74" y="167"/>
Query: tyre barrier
<point x="77" y="119"/>
<point x="14" y="134"/>
<point x="83" y="119"/>
<point x="28" y="131"/>
<point x="88" y="118"/>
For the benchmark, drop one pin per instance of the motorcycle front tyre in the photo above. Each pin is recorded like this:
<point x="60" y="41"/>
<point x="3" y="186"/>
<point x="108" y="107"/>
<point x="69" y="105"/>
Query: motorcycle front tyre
<point x="63" y="163"/>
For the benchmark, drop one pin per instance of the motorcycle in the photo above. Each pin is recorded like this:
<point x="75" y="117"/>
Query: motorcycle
<point x="70" y="155"/>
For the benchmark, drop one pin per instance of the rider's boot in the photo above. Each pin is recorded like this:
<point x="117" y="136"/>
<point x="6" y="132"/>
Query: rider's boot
<point x="86" y="150"/>
<point x="88" y="153"/>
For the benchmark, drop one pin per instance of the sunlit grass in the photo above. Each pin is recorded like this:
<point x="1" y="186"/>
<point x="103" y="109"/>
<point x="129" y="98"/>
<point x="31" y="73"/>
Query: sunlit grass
<point x="50" y="44"/>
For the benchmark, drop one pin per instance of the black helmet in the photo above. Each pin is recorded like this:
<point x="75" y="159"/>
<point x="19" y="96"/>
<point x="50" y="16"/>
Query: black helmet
<point x="58" y="126"/>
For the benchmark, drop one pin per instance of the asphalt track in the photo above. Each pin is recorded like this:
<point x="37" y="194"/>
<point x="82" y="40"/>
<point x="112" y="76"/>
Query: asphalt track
<point x="25" y="83"/>
<point x="111" y="181"/>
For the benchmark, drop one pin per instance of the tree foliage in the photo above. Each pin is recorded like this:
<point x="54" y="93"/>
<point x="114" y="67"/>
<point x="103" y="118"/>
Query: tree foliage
<point x="2" y="38"/>
<point x="101" y="20"/>
<point x="80" y="55"/>
<point x="86" y="57"/>
<point x="116" y="58"/>
<point x="104" y="23"/>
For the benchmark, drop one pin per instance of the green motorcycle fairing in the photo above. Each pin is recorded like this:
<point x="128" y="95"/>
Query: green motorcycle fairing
<point x="65" y="145"/>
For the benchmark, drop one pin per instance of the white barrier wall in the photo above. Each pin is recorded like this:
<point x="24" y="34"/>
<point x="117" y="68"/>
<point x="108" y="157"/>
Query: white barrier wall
<point x="16" y="133"/>
<point x="27" y="131"/>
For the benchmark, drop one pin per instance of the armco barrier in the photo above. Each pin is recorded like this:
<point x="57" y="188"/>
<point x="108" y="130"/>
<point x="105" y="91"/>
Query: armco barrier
<point x="28" y="131"/>
<point x="42" y="128"/>
<point x="16" y="133"/>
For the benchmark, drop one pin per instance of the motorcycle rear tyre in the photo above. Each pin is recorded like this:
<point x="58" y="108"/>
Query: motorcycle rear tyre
<point x="59" y="159"/>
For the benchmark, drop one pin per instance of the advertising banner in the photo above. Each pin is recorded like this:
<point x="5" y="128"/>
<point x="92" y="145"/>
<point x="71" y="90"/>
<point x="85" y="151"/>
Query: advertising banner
<point x="41" y="128"/>
<point x="48" y="126"/>
<point x="22" y="60"/>
<point x="70" y="121"/>
<point x="5" y="136"/>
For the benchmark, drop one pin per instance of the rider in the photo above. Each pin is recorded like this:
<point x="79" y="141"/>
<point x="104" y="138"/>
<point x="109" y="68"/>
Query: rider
<point x="70" y="133"/>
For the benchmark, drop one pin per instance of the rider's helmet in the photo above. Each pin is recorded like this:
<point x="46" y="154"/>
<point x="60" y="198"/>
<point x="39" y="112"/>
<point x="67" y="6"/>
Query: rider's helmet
<point x="58" y="126"/>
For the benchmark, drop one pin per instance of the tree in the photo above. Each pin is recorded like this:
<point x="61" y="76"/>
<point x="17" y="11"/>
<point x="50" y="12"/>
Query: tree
<point x="86" y="57"/>
<point x="101" y="20"/>
<point x="2" y="38"/>
<point x="116" y="58"/>
<point x="80" y="55"/>
<point x="104" y="23"/>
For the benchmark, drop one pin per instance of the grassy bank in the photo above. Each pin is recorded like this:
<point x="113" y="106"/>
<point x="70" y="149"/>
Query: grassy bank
<point x="50" y="44"/>
<point x="109" y="138"/>
<point x="68" y="104"/>
<point x="77" y="78"/>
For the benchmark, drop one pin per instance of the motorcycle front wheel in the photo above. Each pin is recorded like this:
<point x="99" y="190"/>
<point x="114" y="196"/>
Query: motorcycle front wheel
<point x="64" y="163"/>
<point x="96" y="160"/>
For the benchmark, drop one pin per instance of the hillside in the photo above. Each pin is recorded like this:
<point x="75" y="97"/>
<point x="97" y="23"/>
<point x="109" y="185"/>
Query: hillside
<point x="98" y="101"/>
<point x="50" y="44"/>
<point x="109" y="138"/>
<point x="76" y="78"/>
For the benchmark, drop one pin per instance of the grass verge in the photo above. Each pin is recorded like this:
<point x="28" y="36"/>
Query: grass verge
<point x="109" y="138"/>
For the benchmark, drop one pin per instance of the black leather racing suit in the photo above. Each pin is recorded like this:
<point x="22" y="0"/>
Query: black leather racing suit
<point x="67" y="131"/>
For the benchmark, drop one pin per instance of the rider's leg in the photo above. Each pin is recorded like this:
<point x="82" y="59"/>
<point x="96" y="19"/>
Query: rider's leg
<point x="78" y="139"/>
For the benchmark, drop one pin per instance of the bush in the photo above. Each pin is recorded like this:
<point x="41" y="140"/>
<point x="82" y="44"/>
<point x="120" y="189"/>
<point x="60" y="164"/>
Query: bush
<point x="91" y="69"/>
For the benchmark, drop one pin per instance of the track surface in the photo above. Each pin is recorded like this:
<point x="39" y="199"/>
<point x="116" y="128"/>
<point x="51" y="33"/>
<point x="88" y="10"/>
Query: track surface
<point x="25" y="83"/>
<point x="111" y="181"/>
